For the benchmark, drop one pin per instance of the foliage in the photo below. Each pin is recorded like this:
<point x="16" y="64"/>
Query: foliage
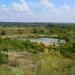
<point x="51" y="61"/>
<point x="20" y="45"/>
<point x="3" y="33"/>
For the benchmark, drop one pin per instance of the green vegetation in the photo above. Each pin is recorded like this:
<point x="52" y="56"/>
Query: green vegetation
<point x="20" y="45"/>
<point x="23" y="57"/>
<point x="37" y="29"/>
<point x="46" y="64"/>
<point x="2" y="33"/>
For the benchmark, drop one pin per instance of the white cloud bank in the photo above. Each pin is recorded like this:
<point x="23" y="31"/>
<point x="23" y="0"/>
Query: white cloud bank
<point x="22" y="6"/>
<point x="24" y="11"/>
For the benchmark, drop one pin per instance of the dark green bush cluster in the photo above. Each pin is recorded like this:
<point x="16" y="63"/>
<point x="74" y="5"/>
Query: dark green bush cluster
<point x="20" y="45"/>
<point x="3" y="33"/>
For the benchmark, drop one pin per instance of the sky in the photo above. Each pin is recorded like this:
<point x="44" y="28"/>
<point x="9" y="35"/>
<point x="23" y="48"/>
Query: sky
<point x="37" y="11"/>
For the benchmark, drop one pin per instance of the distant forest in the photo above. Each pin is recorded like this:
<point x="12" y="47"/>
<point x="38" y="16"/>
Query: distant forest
<point x="33" y="24"/>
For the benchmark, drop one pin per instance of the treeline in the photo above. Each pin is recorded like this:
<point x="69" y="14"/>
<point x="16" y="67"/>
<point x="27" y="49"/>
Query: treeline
<point x="59" y="30"/>
<point x="33" y="24"/>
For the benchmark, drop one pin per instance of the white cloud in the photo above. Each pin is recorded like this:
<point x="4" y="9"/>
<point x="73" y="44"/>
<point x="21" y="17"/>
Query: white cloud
<point x="47" y="4"/>
<point x="66" y="8"/>
<point x="22" y="6"/>
<point x="34" y="11"/>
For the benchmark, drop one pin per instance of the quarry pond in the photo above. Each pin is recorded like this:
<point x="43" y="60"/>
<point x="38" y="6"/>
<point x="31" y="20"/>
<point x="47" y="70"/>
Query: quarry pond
<point x="53" y="40"/>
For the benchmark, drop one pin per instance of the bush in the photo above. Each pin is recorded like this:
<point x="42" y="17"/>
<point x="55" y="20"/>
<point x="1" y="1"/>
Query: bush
<point x="3" y="33"/>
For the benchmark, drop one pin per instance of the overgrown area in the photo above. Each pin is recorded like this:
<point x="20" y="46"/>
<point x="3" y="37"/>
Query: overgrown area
<point x="24" y="57"/>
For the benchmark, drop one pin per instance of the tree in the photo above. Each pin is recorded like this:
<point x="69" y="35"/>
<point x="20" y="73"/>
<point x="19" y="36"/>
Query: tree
<point x="20" y="31"/>
<point x="3" y="33"/>
<point x="34" y="30"/>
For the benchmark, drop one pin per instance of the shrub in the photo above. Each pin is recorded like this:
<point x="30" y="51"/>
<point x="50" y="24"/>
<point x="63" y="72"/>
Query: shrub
<point x="3" y="33"/>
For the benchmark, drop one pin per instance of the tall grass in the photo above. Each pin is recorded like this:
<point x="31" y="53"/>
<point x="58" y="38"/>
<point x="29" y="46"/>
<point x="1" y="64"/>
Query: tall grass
<point x="4" y="70"/>
<point x="47" y="64"/>
<point x="55" y="65"/>
<point x="16" y="71"/>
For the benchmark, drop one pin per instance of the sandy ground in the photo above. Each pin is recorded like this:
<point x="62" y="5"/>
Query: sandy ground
<point x="21" y="60"/>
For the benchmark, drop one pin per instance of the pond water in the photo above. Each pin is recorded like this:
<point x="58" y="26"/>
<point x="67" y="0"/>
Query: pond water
<point x="56" y="40"/>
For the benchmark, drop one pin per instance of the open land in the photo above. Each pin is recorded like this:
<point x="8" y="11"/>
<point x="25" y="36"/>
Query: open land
<point x="25" y="57"/>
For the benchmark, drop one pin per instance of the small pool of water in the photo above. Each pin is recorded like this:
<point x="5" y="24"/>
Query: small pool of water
<point x="42" y="39"/>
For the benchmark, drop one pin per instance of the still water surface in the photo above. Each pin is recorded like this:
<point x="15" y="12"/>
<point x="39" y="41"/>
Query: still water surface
<point x="42" y="39"/>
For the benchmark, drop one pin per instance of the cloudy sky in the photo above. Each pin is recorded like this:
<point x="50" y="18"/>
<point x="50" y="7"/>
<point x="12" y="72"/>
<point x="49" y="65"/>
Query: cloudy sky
<point x="37" y="10"/>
